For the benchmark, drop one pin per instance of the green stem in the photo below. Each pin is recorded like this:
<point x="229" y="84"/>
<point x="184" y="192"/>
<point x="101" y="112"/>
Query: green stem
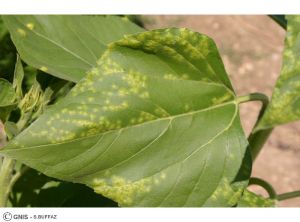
<point x="289" y="195"/>
<point x="7" y="176"/>
<point x="255" y="97"/>
<point x="5" y="180"/>
<point x="257" y="138"/>
<point x="257" y="181"/>
<point x="23" y="121"/>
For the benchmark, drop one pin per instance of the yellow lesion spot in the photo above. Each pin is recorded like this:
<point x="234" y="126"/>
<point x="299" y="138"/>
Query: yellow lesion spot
<point x="30" y="26"/>
<point x="122" y="190"/>
<point x="91" y="99"/>
<point x="144" y="117"/>
<point x="187" y="107"/>
<point x="163" y="176"/>
<point x="161" y="112"/>
<point x="170" y="76"/>
<point x="221" y="99"/>
<point x="21" y="32"/>
<point x="226" y="192"/>
<point x="44" y="69"/>
<point x="145" y="95"/>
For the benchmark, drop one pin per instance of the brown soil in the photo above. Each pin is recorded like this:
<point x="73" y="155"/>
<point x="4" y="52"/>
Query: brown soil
<point x="251" y="48"/>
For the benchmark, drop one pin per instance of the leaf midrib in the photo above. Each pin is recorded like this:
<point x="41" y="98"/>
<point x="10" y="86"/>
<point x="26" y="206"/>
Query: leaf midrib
<point x="234" y="102"/>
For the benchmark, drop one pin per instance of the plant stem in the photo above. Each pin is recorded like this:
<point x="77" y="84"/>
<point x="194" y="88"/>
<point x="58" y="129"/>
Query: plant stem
<point x="5" y="180"/>
<point x="255" y="97"/>
<point x="257" y="181"/>
<point x="289" y="195"/>
<point x="257" y="138"/>
<point x="7" y="176"/>
<point x="23" y="121"/>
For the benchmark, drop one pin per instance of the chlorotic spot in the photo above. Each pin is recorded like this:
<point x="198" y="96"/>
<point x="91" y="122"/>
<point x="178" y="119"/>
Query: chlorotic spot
<point x="44" y="69"/>
<point x="122" y="190"/>
<point x="30" y="26"/>
<point x="21" y="32"/>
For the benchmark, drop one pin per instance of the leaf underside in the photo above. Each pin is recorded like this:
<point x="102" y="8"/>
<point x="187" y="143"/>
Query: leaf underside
<point x="154" y="124"/>
<point x="285" y="104"/>
<point x="65" y="46"/>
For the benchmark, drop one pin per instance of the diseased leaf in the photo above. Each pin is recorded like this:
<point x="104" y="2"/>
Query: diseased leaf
<point x="34" y="189"/>
<point x="65" y="46"/>
<point x="154" y="124"/>
<point x="250" y="199"/>
<point x="285" y="104"/>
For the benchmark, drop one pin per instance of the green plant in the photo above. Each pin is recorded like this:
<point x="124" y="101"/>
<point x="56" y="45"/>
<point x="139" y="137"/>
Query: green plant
<point x="151" y="121"/>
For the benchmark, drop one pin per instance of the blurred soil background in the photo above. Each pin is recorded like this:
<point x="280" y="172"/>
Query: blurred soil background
<point x="251" y="48"/>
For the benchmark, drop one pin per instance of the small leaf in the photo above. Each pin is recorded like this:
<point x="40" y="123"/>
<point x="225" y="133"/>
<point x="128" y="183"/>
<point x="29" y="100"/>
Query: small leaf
<point x="65" y="46"/>
<point x="7" y="99"/>
<point x="285" y="104"/>
<point x="18" y="78"/>
<point x="155" y="124"/>
<point x="250" y="199"/>
<point x="7" y="93"/>
<point x="11" y="129"/>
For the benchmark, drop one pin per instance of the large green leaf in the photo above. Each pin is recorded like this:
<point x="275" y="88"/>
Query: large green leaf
<point x="65" y="46"/>
<point x="285" y="103"/>
<point x="155" y="124"/>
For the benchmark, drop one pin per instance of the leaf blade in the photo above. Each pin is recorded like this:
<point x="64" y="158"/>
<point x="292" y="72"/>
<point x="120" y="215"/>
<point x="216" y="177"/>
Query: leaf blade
<point x="128" y="114"/>
<point x="65" y="46"/>
<point x="284" y="106"/>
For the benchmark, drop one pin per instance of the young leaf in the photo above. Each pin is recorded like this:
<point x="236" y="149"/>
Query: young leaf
<point x="18" y="78"/>
<point x="7" y="99"/>
<point x="65" y="46"/>
<point x="155" y="124"/>
<point x="250" y="199"/>
<point x="7" y="93"/>
<point x="285" y="104"/>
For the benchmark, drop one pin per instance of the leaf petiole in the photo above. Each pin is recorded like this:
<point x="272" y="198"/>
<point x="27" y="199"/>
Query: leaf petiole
<point x="268" y="187"/>
<point x="288" y="195"/>
<point x="255" y="97"/>
<point x="257" y="138"/>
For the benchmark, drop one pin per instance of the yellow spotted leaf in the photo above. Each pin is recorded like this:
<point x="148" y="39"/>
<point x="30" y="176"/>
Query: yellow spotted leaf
<point x="156" y="123"/>
<point x="285" y="103"/>
<point x="250" y="199"/>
